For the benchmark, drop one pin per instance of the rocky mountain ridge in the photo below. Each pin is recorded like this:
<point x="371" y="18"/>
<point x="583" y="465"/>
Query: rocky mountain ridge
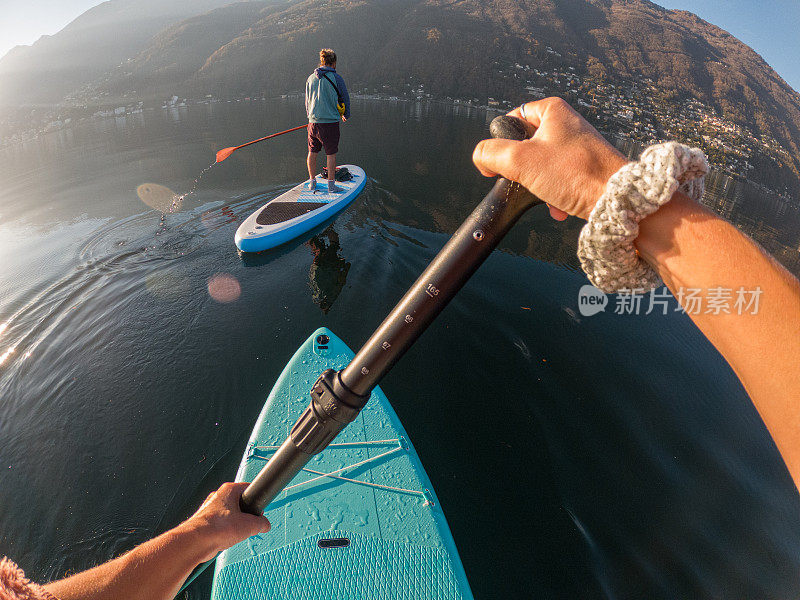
<point x="467" y="49"/>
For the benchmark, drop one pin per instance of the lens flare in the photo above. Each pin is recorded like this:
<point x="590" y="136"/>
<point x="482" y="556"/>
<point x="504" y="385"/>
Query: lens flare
<point x="159" y="197"/>
<point x="224" y="288"/>
<point x="4" y="356"/>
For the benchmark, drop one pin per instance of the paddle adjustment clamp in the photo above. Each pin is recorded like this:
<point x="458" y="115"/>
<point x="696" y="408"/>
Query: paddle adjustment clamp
<point x="333" y="406"/>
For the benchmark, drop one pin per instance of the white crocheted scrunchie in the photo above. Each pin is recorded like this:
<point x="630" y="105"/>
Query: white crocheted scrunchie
<point x="605" y="245"/>
<point x="15" y="586"/>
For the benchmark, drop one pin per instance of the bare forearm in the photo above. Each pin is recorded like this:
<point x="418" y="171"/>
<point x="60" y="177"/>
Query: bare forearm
<point x="153" y="571"/>
<point x="157" y="569"/>
<point x="693" y="248"/>
<point x="568" y="164"/>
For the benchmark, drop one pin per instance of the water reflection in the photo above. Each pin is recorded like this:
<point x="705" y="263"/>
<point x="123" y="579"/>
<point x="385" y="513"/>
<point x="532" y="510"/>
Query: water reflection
<point x="771" y="220"/>
<point x="328" y="272"/>
<point x="620" y="457"/>
<point x="167" y="285"/>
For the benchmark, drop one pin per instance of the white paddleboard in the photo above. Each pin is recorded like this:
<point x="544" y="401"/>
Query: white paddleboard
<point x="297" y="211"/>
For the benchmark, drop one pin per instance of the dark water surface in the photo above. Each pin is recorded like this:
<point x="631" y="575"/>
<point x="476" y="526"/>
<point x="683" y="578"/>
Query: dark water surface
<point x="612" y="456"/>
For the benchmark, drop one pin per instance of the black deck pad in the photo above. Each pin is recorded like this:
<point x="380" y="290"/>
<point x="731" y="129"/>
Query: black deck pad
<point x="278" y="212"/>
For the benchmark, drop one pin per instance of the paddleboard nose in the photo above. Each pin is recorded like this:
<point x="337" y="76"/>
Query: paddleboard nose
<point x="322" y="340"/>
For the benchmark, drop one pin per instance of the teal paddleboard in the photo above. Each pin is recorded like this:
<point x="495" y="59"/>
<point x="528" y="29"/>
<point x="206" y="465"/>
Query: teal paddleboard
<point x="360" y="522"/>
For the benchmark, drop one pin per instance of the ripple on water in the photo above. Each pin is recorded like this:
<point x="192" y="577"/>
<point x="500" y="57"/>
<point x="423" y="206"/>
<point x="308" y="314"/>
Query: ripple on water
<point x="117" y="260"/>
<point x="109" y="271"/>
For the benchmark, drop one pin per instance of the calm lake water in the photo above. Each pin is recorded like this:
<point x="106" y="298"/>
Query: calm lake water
<point x="616" y="456"/>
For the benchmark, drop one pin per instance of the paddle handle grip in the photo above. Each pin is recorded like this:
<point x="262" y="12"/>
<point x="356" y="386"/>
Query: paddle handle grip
<point x="511" y="128"/>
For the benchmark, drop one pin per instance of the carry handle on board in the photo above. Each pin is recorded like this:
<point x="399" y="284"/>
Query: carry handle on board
<point x="338" y="397"/>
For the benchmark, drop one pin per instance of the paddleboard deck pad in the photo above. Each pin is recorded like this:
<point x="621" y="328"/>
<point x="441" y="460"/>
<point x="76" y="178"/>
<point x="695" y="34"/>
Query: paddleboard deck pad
<point x="297" y="211"/>
<point x="360" y="522"/>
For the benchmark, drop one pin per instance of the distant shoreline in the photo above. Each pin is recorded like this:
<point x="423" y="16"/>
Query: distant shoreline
<point x="138" y="107"/>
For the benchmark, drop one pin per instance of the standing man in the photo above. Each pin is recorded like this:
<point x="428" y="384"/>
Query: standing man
<point x="327" y="101"/>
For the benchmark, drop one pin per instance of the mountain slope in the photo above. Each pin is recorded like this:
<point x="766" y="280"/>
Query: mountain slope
<point x="454" y="48"/>
<point x="178" y="52"/>
<point x="92" y="44"/>
<point x="466" y="49"/>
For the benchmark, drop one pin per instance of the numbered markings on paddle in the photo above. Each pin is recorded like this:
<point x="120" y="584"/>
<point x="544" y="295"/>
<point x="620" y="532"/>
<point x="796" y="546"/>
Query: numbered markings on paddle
<point x="432" y="290"/>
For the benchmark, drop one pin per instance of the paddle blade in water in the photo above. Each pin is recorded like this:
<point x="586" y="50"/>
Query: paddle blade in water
<point x="159" y="197"/>
<point x="225" y="153"/>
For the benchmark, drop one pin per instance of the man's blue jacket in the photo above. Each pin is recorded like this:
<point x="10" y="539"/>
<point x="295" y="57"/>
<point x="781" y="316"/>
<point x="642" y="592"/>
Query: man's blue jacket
<point x="321" y="98"/>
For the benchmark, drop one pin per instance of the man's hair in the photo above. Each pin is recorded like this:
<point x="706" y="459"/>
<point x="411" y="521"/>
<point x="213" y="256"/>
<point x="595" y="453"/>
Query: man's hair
<point x="327" y="57"/>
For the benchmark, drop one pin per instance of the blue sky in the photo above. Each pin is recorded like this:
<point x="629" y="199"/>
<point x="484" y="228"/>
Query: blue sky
<point x="26" y="22"/>
<point x="772" y="28"/>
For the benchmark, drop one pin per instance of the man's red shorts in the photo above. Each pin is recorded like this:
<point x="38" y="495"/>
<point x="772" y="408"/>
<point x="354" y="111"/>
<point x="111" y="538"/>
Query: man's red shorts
<point x="323" y="135"/>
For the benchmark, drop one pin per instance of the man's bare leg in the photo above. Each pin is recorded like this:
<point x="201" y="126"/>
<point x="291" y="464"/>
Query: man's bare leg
<point x="312" y="164"/>
<point x="331" y="167"/>
<point x="312" y="170"/>
<point x="332" y="174"/>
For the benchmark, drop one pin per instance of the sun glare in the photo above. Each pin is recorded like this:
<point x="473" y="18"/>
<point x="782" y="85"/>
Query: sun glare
<point x="224" y="288"/>
<point x="6" y="354"/>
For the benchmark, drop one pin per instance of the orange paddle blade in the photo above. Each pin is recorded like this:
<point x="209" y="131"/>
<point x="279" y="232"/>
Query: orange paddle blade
<point x="225" y="153"/>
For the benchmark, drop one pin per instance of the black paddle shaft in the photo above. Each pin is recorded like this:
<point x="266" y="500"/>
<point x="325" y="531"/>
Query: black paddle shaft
<point x="337" y="397"/>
